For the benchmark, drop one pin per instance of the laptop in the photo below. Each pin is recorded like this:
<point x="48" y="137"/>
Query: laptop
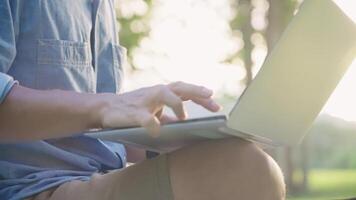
<point x="285" y="97"/>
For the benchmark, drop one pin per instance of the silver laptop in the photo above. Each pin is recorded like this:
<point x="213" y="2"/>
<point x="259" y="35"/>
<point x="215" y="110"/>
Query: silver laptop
<point x="285" y="97"/>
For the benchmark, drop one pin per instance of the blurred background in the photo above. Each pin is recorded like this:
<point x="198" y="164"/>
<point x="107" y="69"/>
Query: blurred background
<point x="222" y="44"/>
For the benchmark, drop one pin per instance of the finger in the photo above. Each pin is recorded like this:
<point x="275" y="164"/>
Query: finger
<point x="150" y="123"/>
<point x="173" y="101"/>
<point x="167" y="119"/>
<point x="209" y="104"/>
<point x="188" y="91"/>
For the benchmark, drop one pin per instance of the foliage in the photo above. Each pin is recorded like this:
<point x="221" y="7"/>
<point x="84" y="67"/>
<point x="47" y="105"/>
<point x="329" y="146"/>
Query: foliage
<point x="129" y="35"/>
<point x="332" y="143"/>
<point x="329" y="184"/>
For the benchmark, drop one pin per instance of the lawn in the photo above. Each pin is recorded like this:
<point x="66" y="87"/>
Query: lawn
<point x="329" y="184"/>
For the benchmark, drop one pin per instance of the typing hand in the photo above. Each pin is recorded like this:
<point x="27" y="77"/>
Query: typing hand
<point x="144" y="106"/>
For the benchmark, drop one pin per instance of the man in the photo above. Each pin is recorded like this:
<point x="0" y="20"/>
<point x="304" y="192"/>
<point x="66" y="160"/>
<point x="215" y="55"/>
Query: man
<point x="72" y="46"/>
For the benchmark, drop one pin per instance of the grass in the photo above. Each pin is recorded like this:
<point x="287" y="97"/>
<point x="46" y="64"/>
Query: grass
<point x="329" y="184"/>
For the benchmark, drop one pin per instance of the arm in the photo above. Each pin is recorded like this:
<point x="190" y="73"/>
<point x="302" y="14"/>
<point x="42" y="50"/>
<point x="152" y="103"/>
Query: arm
<point x="34" y="114"/>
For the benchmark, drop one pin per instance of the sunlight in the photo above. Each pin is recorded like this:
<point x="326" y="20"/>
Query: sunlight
<point x="342" y="102"/>
<point x="189" y="41"/>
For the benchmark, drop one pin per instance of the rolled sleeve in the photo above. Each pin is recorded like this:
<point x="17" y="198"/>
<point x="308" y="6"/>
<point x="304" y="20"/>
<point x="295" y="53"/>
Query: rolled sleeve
<point x="6" y="83"/>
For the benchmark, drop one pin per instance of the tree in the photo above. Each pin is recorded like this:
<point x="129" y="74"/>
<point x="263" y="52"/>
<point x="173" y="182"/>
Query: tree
<point x="133" y="26"/>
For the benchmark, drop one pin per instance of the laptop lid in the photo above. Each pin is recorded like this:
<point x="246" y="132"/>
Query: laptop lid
<point x="298" y="76"/>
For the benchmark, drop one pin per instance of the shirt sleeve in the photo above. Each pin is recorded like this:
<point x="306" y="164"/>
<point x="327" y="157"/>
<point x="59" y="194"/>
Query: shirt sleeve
<point x="6" y="83"/>
<point x="7" y="35"/>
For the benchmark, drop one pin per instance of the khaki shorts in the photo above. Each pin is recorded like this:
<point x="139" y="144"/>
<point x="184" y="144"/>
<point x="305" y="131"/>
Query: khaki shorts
<point x="148" y="180"/>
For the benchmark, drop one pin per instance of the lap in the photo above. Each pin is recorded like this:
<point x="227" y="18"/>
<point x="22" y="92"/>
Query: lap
<point x="220" y="169"/>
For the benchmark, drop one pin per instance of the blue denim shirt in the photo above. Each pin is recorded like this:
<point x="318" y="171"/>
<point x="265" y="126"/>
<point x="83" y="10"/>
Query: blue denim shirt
<point x="58" y="44"/>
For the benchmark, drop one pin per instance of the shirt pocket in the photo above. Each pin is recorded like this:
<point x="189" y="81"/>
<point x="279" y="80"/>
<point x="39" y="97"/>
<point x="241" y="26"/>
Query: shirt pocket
<point x="64" y="53"/>
<point x="64" y="64"/>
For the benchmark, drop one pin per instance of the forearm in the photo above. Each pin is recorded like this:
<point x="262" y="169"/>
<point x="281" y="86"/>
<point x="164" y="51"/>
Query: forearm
<point x="34" y="114"/>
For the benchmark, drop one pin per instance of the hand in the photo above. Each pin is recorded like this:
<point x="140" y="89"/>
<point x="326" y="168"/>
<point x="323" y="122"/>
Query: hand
<point x="144" y="106"/>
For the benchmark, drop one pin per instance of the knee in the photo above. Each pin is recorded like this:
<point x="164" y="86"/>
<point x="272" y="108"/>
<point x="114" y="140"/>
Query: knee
<point x="226" y="169"/>
<point x="258" y="171"/>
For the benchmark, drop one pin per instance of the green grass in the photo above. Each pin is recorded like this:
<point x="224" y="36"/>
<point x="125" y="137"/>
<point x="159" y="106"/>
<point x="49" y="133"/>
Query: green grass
<point x="329" y="184"/>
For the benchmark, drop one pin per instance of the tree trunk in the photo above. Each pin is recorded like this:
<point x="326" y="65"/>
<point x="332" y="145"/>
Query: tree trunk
<point x="305" y="164"/>
<point x="247" y="30"/>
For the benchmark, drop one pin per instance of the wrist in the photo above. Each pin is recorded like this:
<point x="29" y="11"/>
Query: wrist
<point x="97" y="107"/>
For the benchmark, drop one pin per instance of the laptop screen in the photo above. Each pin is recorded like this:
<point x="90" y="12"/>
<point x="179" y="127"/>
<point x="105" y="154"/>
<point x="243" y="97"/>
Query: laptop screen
<point x="299" y="74"/>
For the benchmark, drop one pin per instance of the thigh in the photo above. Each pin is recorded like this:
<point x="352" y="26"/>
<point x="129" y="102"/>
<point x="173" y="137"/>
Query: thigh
<point x="147" y="180"/>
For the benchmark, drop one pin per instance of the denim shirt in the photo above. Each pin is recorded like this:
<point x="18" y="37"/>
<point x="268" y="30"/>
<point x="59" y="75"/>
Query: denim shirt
<point x="6" y="83"/>
<point x="58" y="44"/>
